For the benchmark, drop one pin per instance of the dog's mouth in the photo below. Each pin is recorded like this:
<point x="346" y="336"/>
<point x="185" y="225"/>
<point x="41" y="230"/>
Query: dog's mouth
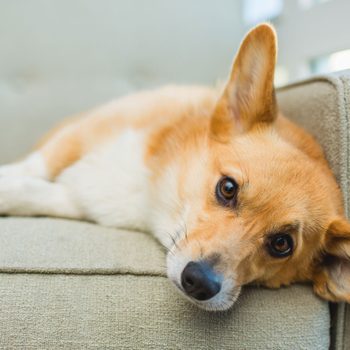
<point x="198" y="283"/>
<point x="220" y="302"/>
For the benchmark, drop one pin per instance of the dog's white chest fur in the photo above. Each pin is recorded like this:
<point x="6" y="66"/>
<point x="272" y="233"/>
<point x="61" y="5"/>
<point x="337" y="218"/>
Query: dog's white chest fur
<point x="111" y="184"/>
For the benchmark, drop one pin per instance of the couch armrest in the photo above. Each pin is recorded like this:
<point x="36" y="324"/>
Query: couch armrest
<point x="322" y="106"/>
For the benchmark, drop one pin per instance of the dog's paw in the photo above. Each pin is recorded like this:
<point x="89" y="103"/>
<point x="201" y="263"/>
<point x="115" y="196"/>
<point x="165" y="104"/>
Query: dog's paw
<point x="12" y="192"/>
<point x="8" y="190"/>
<point x="31" y="166"/>
<point x="11" y="170"/>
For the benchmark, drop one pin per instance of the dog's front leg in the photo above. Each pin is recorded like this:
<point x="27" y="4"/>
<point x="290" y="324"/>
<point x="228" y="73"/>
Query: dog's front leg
<point x="33" y="166"/>
<point x="30" y="196"/>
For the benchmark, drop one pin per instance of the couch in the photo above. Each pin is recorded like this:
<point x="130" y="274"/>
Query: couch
<point x="75" y="285"/>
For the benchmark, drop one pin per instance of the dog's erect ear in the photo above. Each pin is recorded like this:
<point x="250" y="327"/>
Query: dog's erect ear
<point x="332" y="276"/>
<point x="249" y="96"/>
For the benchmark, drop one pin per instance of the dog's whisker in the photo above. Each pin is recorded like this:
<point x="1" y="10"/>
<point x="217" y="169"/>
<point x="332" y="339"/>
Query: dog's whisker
<point x="185" y="230"/>
<point x="174" y="242"/>
<point x="168" y="250"/>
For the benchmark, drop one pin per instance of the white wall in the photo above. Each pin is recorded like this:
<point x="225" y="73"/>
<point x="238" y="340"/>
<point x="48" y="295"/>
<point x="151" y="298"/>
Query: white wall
<point x="307" y="34"/>
<point x="139" y="40"/>
<point x="61" y="56"/>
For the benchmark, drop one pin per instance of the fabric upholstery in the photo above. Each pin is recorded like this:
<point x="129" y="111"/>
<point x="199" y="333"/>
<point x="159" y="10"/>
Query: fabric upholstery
<point x="73" y="285"/>
<point x="63" y="246"/>
<point x="143" y="312"/>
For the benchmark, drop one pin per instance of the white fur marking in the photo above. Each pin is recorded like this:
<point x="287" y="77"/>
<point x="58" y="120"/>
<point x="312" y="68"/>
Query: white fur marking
<point x="169" y="213"/>
<point x="33" y="165"/>
<point x="28" y="196"/>
<point x="112" y="183"/>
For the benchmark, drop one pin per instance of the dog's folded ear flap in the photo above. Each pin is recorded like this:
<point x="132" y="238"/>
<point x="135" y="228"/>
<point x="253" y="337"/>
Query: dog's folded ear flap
<point x="249" y="96"/>
<point x="332" y="275"/>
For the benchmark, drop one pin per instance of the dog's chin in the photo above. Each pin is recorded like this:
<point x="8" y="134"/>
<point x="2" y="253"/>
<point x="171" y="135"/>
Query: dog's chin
<point x="220" y="302"/>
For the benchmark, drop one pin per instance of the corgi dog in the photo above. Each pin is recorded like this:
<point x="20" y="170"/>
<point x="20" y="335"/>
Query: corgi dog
<point x="234" y="191"/>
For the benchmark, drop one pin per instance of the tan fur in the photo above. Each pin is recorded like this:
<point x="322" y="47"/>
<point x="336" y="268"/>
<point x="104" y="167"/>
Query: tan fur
<point x="283" y="176"/>
<point x="250" y="105"/>
<point x="145" y="110"/>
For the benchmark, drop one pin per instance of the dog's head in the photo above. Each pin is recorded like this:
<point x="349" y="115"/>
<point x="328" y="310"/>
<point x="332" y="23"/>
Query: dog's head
<point x="261" y="208"/>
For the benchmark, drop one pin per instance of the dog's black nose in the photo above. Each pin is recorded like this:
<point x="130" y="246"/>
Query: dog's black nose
<point x="200" y="281"/>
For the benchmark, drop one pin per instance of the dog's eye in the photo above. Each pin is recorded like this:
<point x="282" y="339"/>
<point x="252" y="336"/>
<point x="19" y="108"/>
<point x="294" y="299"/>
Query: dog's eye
<point x="280" y="245"/>
<point x="226" y="191"/>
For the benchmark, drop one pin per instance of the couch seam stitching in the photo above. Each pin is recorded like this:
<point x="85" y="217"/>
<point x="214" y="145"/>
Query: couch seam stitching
<point x="347" y="140"/>
<point x="347" y="177"/>
<point x="328" y="80"/>
<point x="73" y="272"/>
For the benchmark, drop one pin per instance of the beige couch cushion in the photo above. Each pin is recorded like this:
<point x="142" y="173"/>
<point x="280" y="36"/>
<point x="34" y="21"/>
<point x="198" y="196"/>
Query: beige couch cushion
<point x="62" y="246"/>
<point x="73" y="285"/>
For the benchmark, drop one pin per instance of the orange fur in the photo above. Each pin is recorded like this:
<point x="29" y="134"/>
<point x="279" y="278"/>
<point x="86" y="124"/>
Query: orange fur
<point x="146" y="110"/>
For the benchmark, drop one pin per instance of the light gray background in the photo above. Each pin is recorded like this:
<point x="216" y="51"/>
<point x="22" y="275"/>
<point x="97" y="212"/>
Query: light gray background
<point x="62" y="56"/>
<point x="59" y="57"/>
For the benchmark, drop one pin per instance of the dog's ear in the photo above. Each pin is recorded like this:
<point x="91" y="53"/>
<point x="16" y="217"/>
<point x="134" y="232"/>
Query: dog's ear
<point x="332" y="276"/>
<point x="249" y="96"/>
